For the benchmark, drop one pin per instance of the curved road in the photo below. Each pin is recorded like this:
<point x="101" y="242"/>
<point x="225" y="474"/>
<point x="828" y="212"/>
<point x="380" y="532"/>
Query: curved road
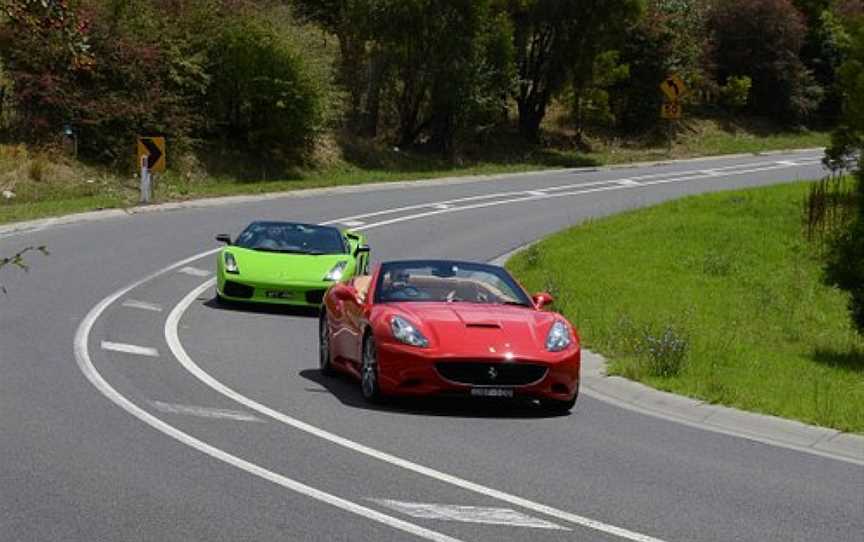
<point x="134" y="408"/>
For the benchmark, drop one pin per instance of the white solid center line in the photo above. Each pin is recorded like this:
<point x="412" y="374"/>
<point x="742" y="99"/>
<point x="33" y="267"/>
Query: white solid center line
<point x="353" y="223"/>
<point x="195" y="272"/>
<point x="130" y="349"/>
<point x="469" y="514"/>
<point x="205" y="412"/>
<point x="442" y="206"/>
<point x="143" y="305"/>
<point x="536" y="193"/>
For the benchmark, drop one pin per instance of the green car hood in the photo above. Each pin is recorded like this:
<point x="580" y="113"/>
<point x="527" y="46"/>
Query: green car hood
<point x="274" y="268"/>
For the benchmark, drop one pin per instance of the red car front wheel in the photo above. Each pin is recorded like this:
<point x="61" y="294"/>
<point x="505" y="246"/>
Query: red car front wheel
<point x="369" y="371"/>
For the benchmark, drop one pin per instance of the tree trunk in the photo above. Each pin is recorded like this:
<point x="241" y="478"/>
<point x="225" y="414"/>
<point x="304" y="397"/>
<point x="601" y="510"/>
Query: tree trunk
<point x="372" y="113"/>
<point x="352" y="76"/>
<point x="530" y="117"/>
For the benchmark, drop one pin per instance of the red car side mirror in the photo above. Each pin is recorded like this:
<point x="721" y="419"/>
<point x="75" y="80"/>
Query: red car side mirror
<point x="542" y="300"/>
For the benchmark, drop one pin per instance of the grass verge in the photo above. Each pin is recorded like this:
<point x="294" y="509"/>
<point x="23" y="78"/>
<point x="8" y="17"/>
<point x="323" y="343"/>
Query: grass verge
<point x="716" y="297"/>
<point x="45" y="185"/>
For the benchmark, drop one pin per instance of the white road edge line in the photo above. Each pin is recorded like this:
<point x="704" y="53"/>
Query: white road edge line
<point x="143" y="305"/>
<point x="176" y="347"/>
<point x="85" y="364"/>
<point x="130" y="349"/>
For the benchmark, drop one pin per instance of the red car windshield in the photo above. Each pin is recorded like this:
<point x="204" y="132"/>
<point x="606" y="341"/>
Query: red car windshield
<point x="448" y="281"/>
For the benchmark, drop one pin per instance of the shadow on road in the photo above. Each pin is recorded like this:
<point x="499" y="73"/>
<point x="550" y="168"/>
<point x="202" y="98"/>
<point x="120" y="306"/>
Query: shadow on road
<point x="261" y="308"/>
<point x="348" y="392"/>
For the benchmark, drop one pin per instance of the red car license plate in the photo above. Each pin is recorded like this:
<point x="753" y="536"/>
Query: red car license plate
<point x="492" y="392"/>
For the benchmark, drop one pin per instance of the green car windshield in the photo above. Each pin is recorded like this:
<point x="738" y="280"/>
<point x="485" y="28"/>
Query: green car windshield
<point x="290" y="238"/>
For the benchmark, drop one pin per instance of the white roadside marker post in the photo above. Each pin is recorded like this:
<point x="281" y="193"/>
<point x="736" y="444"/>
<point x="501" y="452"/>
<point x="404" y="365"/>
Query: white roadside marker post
<point x="146" y="186"/>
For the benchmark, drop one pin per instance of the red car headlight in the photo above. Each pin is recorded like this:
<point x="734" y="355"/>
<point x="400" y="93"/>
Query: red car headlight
<point x="405" y="332"/>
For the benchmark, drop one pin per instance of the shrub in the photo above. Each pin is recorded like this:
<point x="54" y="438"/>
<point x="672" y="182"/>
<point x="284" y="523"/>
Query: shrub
<point x="735" y="94"/>
<point x="260" y="95"/>
<point x="664" y="352"/>
<point x="845" y="262"/>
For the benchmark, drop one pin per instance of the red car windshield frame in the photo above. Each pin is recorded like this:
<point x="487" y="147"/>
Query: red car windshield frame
<point x="444" y="270"/>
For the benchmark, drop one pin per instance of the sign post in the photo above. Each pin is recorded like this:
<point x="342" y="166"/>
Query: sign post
<point x="673" y="88"/>
<point x="151" y="159"/>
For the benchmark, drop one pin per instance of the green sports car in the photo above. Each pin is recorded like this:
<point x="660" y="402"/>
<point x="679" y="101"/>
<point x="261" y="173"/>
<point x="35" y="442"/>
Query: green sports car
<point x="287" y="263"/>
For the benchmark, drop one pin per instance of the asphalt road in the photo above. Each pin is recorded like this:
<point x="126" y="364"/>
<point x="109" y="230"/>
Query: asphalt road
<point x="137" y="409"/>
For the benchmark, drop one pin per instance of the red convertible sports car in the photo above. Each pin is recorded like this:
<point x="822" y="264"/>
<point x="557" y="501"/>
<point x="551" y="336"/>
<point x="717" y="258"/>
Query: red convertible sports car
<point x="434" y="327"/>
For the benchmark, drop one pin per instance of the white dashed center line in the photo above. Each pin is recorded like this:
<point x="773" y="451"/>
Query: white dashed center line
<point x="468" y="514"/>
<point x="353" y="223"/>
<point x="195" y="272"/>
<point x="130" y="349"/>
<point x="204" y="412"/>
<point x="143" y="305"/>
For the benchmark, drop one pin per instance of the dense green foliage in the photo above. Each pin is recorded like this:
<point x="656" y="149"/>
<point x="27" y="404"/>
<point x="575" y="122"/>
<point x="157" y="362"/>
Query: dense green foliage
<point x="261" y="78"/>
<point x="845" y="266"/>
<point x="186" y="70"/>
<point x="762" y="39"/>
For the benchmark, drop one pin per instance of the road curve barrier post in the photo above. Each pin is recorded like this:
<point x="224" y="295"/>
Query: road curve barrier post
<point x="146" y="184"/>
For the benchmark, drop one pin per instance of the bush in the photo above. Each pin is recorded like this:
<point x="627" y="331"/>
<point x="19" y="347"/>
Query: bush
<point x="735" y="93"/>
<point x="187" y="70"/>
<point x="845" y="265"/>
<point x="260" y="95"/>
<point x="845" y="262"/>
<point x="762" y="39"/>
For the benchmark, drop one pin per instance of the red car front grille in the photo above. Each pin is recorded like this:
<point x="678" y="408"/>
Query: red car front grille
<point x="477" y="373"/>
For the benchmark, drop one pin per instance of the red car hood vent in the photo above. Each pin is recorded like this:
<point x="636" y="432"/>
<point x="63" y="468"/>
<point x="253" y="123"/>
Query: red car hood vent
<point x="483" y="325"/>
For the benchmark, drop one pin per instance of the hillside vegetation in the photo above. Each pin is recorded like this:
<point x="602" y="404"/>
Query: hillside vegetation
<point x="231" y="83"/>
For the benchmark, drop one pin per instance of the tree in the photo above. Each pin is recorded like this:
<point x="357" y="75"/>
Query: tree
<point x="845" y="263"/>
<point x="556" y="41"/>
<point x="449" y="60"/>
<point x="762" y="39"/>
<point x="348" y="20"/>
<point x="669" y="38"/>
<point x="825" y="48"/>
<point x="54" y="20"/>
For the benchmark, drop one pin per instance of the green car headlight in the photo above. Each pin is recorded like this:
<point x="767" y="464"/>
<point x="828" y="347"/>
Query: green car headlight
<point x="231" y="264"/>
<point x="335" y="274"/>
